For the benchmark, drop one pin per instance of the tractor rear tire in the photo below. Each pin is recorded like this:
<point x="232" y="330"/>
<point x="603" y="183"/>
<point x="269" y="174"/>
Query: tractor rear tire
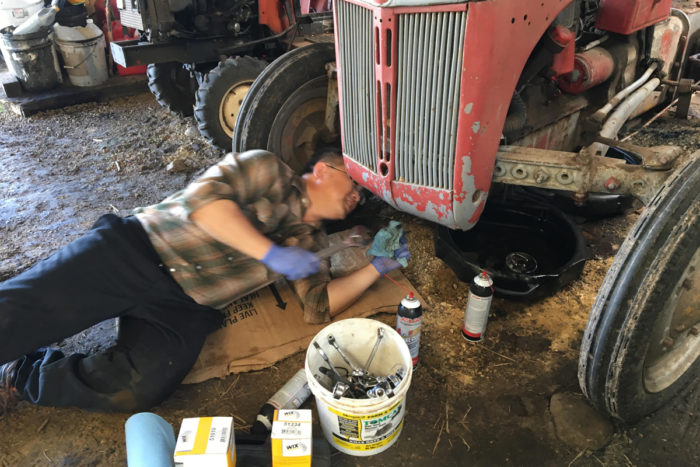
<point x="173" y="87"/>
<point x="220" y="96"/>
<point x="285" y="108"/>
<point x="641" y="346"/>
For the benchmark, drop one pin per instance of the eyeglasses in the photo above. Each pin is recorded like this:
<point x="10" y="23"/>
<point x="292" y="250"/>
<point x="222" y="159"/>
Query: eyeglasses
<point x="357" y="188"/>
<point x="335" y="168"/>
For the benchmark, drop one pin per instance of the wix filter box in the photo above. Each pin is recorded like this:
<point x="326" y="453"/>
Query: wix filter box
<point x="206" y="442"/>
<point x="291" y="438"/>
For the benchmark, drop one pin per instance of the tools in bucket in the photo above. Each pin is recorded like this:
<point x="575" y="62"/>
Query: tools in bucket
<point x="368" y="425"/>
<point x="357" y="382"/>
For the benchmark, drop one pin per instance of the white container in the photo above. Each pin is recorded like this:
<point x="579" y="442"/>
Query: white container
<point x="83" y="52"/>
<point x="16" y="12"/>
<point x="360" y="427"/>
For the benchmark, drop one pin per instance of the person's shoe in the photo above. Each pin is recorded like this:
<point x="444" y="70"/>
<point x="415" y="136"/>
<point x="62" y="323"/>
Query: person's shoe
<point x="8" y="392"/>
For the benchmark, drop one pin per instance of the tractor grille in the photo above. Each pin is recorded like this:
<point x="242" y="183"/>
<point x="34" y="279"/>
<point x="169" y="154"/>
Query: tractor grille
<point x="429" y="67"/>
<point x="358" y="92"/>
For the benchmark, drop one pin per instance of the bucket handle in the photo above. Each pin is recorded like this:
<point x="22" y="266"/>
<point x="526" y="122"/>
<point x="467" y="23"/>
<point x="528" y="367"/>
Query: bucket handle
<point x="94" y="47"/>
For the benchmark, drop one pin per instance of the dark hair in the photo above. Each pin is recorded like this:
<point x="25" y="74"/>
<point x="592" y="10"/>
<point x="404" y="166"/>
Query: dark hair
<point x="328" y="154"/>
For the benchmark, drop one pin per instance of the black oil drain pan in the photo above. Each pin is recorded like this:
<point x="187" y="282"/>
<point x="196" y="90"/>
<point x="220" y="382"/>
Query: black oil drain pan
<point x="529" y="250"/>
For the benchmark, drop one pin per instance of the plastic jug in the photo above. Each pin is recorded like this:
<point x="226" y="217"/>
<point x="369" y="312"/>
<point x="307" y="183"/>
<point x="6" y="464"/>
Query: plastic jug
<point x="39" y="20"/>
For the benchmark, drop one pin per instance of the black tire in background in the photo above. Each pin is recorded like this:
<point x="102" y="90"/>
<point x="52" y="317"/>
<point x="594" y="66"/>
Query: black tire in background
<point x="173" y="86"/>
<point x="220" y="95"/>
<point x="285" y="107"/>
<point x="641" y="346"/>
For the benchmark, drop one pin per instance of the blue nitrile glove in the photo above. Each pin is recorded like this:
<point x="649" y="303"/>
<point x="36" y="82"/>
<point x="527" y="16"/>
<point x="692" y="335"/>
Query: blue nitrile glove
<point x="385" y="264"/>
<point x="293" y="262"/>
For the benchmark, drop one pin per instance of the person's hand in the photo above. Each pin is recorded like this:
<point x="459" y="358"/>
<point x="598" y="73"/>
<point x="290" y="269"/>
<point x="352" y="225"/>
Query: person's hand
<point x="293" y="262"/>
<point x="384" y="264"/>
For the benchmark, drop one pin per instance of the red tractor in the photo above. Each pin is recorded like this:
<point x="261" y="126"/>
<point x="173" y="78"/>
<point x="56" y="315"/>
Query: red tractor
<point x="436" y="103"/>
<point x="203" y="55"/>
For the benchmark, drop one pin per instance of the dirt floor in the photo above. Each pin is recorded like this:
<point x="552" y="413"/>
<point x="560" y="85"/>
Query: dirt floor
<point x="477" y="404"/>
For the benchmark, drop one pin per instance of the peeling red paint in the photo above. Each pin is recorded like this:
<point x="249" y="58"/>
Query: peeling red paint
<point x="422" y="197"/>
<point x="477" y="214"/>
<point x="543" y="142"/>
<point x="666" y="44"/>
<point x="434" y="204"/>
<point x="375" y="183"/>
<point x="499" y="39"/>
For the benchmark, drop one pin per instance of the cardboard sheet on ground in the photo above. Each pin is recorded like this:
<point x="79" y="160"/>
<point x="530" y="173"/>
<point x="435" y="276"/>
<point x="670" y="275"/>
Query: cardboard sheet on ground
<point x="266" y="326"/>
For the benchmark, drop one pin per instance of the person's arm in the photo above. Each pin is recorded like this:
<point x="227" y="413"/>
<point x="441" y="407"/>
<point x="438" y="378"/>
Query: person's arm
<point x="324" y="298"/>
<point x="213" y="204"/>
<point x="343" y="291"/>
<point x="224" y="221"/>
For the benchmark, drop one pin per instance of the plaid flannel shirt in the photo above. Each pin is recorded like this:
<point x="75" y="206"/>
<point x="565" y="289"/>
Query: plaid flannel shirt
<point x="274" y="200"/>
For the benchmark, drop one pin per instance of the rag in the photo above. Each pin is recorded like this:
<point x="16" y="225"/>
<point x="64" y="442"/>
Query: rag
<point x="387" y="241"/>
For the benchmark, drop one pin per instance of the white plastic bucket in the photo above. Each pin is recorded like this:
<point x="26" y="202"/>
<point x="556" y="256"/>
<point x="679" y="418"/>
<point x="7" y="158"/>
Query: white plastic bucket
<point x="83" y="52"/>
<point x="360" y="427"/>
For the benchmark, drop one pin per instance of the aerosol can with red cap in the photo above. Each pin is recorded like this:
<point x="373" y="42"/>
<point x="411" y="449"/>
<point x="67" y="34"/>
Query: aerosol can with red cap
<point x="409" y="318"/>
<point x="476" y="314"/>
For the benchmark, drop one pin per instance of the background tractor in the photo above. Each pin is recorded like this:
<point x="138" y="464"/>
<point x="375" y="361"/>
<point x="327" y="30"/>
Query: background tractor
<point x="438" y="104"/>
<point x="203" y="55"/>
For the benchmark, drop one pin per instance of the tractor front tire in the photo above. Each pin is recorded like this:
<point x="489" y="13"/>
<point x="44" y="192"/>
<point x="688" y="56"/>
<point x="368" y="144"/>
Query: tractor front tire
<point x="173" y="87"/>
<point x="285" y="109"/>
<point x="641" y="346"/>
<point x="220" y="96"/>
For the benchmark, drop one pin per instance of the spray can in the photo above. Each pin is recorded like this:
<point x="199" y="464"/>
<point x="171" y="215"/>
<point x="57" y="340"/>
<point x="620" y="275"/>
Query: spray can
<point x="476" y="314"/>
<point x="409" y="318"/>
<point x="290" y="396"/>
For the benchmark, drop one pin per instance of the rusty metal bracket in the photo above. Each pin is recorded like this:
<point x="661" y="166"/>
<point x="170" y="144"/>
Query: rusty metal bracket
<point x="685" y="94"/>
<point x="580" y="173"/>
<point x="329" y="133"/>
<point x="652" y="158"/>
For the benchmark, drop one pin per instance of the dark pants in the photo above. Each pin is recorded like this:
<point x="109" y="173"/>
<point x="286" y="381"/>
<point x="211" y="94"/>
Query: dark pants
<point x="111" y="271"/>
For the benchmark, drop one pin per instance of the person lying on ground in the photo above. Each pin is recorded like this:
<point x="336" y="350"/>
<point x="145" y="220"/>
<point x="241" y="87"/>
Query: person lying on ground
<point x="165" y="272"/>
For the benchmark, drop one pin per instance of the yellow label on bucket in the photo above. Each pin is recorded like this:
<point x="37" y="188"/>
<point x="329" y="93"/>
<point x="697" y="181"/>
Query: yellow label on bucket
<point x="367" y="446"/>
<point x="370" y="431"/>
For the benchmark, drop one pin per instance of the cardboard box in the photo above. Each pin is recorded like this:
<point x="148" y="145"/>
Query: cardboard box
<point x="291" y="438"/>
<point x="206" y="442"/>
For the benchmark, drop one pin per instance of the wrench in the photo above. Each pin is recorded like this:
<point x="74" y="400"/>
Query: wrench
<point x="355" y="371"/>
<point x="338" y="376"/>
<point x="359" y="236"/>
<point x="380" y="335"/>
